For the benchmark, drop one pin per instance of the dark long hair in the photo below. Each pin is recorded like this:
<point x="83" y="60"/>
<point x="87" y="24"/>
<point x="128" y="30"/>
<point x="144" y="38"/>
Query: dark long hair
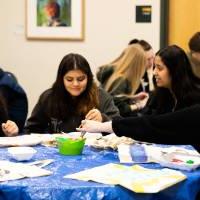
<point x="62" y="103"/>
<point x="3" y="109"/>
<point x="145" y="45"/>
<point x="183" y="79"/>
<point x="194" y="42"/>
<point x="184" y="84"/>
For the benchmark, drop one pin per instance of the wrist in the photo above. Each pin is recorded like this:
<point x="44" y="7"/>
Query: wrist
<point x="134" y="107"/>
<point x="107" y="127"/>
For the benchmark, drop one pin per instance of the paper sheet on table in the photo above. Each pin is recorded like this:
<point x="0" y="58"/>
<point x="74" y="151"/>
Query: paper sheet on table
<point x="13" y="171"/>
<point x="135" y="178"/>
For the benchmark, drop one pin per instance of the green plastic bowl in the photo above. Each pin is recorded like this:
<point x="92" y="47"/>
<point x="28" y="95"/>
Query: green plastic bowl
<point x="69" y="146"/>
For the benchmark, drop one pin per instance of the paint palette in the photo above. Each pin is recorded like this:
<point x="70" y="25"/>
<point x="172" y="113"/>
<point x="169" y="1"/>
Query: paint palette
<point x="181" y="161"/>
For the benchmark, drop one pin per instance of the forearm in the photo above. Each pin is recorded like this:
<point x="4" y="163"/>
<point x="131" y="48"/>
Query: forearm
<point x="172" y="128"/>
<point x="95" y="127"/>
<point x="105" y="127"/>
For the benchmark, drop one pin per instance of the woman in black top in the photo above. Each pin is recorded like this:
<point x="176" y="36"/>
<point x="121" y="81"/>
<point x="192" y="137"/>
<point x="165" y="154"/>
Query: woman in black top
<point x="73" y="97"/>
<point x="172" y="114"/>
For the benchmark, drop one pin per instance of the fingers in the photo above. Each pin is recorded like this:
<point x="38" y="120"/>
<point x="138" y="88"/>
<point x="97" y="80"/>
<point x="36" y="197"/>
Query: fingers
<point x="88" y="126"/>
<point x="94" y="114"/>
<point x="10" y="128"/>
<point x="90" y="114"/>
<point x="141" y="95"/>
<point x="95" y="127"/>
<point x="81" y="129"/>
<point x="138" y="96"/>
<point x="82" y="126"/>
<point x="142" y="103"/>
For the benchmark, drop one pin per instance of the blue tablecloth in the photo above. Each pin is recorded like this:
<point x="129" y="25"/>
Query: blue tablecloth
<point x="55" y="187"/>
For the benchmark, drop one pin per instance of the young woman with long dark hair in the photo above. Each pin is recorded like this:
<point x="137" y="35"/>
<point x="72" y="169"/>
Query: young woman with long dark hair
<point x="172" y="113"/>
<point x="73" y="97"/>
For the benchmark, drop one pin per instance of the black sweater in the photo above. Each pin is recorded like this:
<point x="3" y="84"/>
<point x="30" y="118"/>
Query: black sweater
<point x="3" y="118"/>
<point x="15" y="98"/>
<point x="41" y="122"/>
<point x="119" y="88"/>
<point x="179" y="127"/>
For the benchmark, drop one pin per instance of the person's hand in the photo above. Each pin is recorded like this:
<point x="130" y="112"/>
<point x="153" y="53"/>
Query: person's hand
<point x="142" y="102"/>
<point x="139" y="101"/>
<point x="95" y="115"/>
<point x="95" y="127"/>
<point x="140" y="96"/>
<point x="10" y="128"/>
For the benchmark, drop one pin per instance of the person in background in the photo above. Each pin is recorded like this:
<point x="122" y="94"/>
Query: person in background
<point x="73" y="97"/>
<point x="122" y="78"/>
<point x="194" y="54"/>
<point x="148" y="76"/>
<point x="8" y="127"/>
<point x="15" y="98"/>
<point x="172" y="115"/>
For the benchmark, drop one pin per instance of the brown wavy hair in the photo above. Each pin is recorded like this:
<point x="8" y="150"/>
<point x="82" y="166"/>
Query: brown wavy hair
<point x="130" y="65"/>
<point x="62" y="103"/>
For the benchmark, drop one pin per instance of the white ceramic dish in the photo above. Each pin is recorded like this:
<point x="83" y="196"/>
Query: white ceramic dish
<point x="181" y="161"/>
<point x="22" y="140"/>
<point x="22" y="153"/>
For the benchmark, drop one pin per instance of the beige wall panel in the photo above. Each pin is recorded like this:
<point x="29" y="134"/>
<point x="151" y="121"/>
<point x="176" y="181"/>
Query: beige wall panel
<point x="109" y="26"/>
<point x="184" y="21"/>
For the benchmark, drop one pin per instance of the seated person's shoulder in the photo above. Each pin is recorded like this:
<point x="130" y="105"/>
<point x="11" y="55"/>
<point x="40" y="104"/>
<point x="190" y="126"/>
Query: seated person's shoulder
<point x="46" y="94"/>
<point x="7" y="75"/>
<point x="102" y="92"/>
<point x="104" y="73"/>
<point x="104" y="95"/>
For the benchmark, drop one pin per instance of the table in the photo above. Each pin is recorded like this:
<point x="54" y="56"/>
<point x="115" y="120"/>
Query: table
<point x="55" y="187"/>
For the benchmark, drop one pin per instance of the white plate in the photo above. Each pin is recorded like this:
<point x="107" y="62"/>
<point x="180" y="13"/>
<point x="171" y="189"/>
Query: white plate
<point x="24" y="140"/>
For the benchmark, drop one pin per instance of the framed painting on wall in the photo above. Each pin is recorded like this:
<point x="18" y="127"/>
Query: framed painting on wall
<point x="55" y="19"/>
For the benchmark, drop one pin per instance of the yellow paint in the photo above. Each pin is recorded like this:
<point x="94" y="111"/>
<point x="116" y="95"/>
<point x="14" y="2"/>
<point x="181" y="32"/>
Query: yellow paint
<point x="146" y="9"/>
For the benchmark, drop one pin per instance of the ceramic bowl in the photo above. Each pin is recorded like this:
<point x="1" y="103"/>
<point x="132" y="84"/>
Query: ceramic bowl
<point x="22" y="153"/>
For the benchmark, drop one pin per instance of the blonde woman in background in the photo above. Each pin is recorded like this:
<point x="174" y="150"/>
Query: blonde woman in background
<point x="150" y="55"/>
<point x="122" y="78"/>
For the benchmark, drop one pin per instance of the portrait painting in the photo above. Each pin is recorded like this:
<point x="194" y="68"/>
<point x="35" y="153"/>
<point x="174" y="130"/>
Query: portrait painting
<point x="55" y="19"/>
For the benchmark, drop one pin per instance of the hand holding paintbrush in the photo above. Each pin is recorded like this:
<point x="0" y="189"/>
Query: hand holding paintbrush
<point x="94" y="115"/>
